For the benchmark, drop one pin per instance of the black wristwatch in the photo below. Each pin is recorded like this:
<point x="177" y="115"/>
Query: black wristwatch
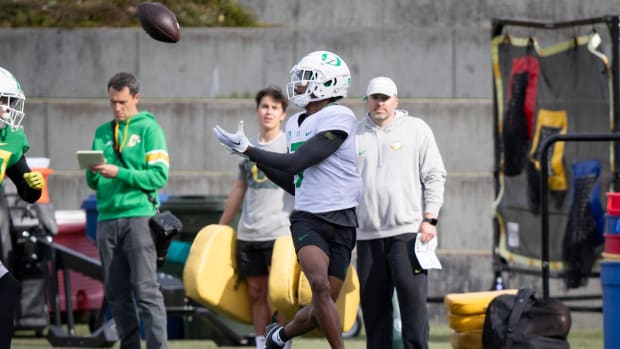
<point x="431" y="221"/>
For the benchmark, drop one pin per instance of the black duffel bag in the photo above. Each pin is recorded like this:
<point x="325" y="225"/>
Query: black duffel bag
<point x="522" y="321"/>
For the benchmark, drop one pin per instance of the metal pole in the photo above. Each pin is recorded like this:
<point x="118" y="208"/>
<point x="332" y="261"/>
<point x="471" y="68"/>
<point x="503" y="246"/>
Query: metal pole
<point x="613" y="24"/>
<point x="496" y="29"/>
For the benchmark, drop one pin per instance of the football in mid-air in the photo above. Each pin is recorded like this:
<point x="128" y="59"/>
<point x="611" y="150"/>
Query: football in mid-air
<point x="159" y="22"/>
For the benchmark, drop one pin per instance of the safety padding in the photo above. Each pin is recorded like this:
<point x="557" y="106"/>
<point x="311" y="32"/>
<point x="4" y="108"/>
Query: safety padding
<point x="209" y="275"/>
<point x="284" y="277"/>
<point x="466" y="340"/>
<point x="472" y="303"/>
<point x="348" y="300"/>
<point x="462" y="323"/>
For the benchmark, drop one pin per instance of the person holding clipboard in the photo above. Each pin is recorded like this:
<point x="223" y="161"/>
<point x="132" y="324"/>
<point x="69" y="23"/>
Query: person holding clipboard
<point x="135" y="167"/>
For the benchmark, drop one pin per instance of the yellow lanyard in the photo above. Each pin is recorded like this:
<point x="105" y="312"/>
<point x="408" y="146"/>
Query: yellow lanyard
<point x="119" y="147"/>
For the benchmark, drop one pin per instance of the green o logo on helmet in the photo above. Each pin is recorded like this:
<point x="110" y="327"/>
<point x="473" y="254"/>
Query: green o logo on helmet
<point x="331" y="59"/>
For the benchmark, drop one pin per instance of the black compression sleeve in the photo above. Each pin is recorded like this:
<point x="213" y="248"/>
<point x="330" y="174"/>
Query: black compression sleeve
<point x="313" y="151"/>
<point x="280" y="178"/>
<point x="16" y="173"/>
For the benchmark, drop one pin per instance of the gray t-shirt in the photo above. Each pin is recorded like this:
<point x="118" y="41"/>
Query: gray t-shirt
<point x="266" y="207"/>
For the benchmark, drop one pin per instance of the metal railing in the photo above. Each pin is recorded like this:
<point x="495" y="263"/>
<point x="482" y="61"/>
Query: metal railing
<point x="544" y="185"/>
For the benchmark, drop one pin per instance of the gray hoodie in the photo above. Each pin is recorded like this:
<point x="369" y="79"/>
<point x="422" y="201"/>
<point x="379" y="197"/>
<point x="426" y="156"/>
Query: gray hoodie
<point x="403" y="176"/>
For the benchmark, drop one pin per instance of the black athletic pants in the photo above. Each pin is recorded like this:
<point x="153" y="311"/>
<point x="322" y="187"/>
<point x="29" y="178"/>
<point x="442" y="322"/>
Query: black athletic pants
<point x="385" y="264"/>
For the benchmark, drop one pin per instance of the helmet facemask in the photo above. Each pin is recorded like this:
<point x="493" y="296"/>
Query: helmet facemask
<point x="12" y="110"/>
<point x="300" y="87"/>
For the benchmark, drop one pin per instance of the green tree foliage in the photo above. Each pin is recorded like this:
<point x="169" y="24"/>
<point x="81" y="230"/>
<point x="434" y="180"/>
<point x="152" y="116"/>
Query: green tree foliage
<point x="119" y="13"/>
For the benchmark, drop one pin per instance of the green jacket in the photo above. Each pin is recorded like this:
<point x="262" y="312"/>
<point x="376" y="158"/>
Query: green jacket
<point x="13" y="145"/>
<point x="143" y="146"/>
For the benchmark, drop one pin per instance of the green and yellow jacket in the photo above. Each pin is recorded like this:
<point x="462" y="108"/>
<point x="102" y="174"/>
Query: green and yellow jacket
<point x="142" y="143"/>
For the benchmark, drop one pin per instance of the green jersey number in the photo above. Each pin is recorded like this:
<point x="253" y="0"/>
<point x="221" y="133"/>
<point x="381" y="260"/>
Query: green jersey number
<point x="5" y="156"/>
<point x="300" y="178"/>
<point x="300" y="175"/>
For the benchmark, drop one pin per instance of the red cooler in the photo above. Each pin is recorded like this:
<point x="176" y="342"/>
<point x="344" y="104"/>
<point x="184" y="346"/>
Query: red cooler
<point x="86" y="292"/>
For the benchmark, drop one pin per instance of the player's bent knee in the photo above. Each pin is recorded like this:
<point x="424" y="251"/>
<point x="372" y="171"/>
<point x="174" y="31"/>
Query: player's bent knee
<point x="320" y="287"/>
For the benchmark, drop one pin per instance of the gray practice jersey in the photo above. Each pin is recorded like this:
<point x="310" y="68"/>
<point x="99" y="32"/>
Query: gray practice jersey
<point x="333" y="184"/>
<point x="266" y="207"/>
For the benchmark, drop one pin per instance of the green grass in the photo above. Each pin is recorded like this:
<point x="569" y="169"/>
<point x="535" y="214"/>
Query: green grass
<point x="439" y="339"/>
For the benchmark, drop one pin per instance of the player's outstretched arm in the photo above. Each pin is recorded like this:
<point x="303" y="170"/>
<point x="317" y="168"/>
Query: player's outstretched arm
<point x="313" y="151"/>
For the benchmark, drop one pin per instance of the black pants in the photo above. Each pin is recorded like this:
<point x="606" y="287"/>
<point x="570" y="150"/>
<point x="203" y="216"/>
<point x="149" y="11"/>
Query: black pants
<point x="385" y="264"/>
<point x="9" y="301"/>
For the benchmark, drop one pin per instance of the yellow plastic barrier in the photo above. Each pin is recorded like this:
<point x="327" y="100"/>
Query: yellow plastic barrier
<point x="472" y="303"/>
<point x="462" y="323"/>
<point x="210" y="277"/>
<point x="466" y="340"/>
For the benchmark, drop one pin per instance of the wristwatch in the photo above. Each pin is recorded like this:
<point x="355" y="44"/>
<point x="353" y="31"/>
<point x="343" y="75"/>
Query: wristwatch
<point x="431" y="221"/>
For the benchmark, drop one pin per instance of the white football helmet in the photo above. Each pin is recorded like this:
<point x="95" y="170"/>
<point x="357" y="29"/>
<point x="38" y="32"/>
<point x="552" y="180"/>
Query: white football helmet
<point x="11" y="99"/>
<point x="319" y="75"/>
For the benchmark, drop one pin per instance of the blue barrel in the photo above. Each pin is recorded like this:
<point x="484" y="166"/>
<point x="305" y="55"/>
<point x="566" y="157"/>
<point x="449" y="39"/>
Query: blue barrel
<point x="90" y="207"/>
<point x="610" y="281"/>
<point x="612" y="225"/>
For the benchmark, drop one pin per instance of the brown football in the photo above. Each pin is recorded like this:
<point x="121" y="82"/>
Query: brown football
<point x="159" y="22"/>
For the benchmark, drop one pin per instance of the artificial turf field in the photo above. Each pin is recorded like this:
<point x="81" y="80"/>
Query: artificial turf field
<point x="579" y="338"/>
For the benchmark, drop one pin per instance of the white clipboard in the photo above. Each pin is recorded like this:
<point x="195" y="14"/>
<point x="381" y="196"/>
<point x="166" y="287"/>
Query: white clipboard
<point x="89" y="157"/>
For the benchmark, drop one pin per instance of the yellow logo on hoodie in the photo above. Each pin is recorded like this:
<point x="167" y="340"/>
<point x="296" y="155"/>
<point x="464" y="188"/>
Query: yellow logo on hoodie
<point x="395" y="146"/>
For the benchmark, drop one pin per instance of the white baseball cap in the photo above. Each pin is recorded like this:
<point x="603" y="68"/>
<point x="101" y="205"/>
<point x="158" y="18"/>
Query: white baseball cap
<point x="382" y="85"/>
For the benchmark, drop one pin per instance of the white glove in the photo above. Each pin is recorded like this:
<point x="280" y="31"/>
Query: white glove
<point x="236" y="142"/>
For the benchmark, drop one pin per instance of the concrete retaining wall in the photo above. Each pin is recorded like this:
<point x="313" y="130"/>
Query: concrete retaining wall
<point x="235" y="62"/>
